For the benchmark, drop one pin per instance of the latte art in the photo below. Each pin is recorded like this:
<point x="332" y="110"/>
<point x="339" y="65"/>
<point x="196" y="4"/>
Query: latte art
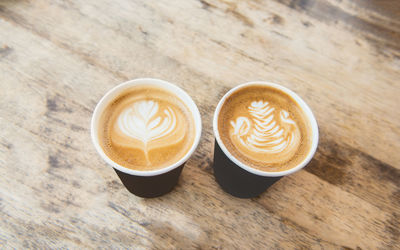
<point x="146" y="128"/>
<point x="264" y="127"/>
<point x="142" y="121"/>
<point x="265" y="130"/>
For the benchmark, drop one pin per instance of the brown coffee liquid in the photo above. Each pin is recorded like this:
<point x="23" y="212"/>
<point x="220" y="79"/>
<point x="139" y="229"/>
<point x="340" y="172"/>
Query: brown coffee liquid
<point x="146" y="128"/>
<point x="264" y="128"/>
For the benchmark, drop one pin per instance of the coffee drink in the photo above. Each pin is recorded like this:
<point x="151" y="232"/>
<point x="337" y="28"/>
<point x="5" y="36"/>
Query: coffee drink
<point x="264" y="128"/>
<point x="146" y="128"/>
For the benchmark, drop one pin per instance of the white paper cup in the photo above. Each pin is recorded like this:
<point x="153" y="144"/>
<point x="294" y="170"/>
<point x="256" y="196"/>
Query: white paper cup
<point x="150" y="183"/>
<point x="240" y="179"/>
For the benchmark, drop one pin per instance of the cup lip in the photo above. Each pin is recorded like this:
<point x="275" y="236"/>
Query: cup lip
<point x="114" y="92"/>
<point x="300" y="102"/>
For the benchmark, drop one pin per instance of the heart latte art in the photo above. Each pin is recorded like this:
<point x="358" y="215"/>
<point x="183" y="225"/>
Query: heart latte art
<point x="145" y="122"/>
<point x="147" y="128"/>
<point x="264" y="128"/>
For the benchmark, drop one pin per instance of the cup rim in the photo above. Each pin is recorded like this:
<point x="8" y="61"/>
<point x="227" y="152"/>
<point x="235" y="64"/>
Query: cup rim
<point x="114" y="92"/>
<point x="300" y="102"/>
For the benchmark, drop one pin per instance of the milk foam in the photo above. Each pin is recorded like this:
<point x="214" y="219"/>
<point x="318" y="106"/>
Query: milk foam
<point x="265" y="129"/>
<point x="149" y="125"/>
<point x="139" y="122"/>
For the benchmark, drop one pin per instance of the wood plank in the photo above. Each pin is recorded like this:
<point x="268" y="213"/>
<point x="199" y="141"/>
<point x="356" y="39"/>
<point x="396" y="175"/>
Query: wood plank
<point x="62" y="56"/>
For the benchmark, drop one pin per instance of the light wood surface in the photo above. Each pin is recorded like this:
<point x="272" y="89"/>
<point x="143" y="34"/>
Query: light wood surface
<point x="58" y="57"/>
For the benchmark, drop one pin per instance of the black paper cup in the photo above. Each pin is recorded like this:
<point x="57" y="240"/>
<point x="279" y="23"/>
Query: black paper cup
<point x="151" y="183"/>
<point x="240" y="179"/>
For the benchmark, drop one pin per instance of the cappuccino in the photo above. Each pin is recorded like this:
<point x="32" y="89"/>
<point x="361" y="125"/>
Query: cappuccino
<point x="264" y="128"/>
<point x="146" y="128"/>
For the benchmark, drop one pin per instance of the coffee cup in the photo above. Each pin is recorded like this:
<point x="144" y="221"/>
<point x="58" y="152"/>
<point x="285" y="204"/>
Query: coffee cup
<point x="263" y="131"/>
<point x="146" y="129"/>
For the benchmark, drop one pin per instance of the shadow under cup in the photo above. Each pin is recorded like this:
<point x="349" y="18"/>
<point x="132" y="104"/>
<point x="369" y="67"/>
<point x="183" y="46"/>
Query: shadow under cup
<point x="241" y="180"/>
<point x="153" y="183"/>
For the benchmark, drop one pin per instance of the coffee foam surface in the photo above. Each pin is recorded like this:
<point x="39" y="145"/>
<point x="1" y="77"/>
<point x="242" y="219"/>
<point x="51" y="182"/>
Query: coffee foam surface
<point x="147" y="128"/>
<point x="265" y="128"/>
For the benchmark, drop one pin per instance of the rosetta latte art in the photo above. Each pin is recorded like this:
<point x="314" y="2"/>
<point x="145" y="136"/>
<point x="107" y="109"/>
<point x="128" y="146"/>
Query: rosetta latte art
<point x="144" y="121"/>
<point x="265" y="130"/>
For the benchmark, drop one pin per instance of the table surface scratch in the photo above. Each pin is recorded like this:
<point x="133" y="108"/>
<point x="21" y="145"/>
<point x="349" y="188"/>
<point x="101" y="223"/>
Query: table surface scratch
<point x="59" y="57"/>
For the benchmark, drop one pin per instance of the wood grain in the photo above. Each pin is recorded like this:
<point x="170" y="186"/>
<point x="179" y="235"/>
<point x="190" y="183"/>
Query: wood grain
<point x="57" y="59"/>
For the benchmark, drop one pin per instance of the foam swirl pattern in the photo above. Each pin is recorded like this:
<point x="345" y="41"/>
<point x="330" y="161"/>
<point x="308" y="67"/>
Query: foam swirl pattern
<point x="266" y="133"/>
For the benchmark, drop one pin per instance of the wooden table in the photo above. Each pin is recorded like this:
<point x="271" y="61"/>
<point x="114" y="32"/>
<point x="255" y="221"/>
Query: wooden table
<point x="58" y="57"/>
